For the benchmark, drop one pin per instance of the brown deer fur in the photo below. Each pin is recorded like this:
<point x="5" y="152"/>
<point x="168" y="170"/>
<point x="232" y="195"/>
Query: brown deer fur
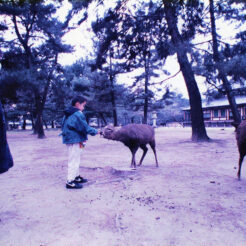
<point x="133" y="136"/>
<point x="241" y="143"/>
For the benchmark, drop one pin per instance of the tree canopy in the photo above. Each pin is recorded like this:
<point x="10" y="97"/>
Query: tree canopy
<point x="130" y="37"/>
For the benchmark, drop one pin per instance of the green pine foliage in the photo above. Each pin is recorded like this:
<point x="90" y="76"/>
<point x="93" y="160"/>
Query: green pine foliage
<point x="31" y="46"/>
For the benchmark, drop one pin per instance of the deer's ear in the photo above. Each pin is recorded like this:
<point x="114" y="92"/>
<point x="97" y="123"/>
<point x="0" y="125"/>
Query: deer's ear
<point x="235" y="124"/>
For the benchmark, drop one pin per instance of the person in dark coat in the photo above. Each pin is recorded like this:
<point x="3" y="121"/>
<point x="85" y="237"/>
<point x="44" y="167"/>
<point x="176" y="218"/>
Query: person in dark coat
<point x="6" y="160"/>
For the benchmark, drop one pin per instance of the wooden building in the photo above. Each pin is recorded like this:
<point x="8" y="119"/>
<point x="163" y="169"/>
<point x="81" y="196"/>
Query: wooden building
<point x="218" y="112"/>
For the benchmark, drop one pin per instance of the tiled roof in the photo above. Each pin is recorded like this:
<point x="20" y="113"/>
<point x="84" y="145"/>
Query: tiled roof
<point x="220" y="102"/>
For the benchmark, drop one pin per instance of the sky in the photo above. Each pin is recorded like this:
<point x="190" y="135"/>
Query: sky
<point x="81" y="40"/>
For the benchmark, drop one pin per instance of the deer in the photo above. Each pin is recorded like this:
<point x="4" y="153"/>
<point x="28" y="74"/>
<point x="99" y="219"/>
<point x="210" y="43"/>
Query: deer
<point x="133" y="136"/>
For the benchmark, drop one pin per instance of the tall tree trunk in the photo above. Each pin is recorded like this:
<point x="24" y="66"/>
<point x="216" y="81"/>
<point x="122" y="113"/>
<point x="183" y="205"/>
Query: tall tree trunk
<point x="146" y="89"/>
<point x="33" y="124"/>
<point x="38" y="125"/>
<point x="24" y="123"/>
<point x="113" y="103"/>
<point x="39" y="99"/>
<point x="222" y="75"/>
<point x="197" y="122"/>
<point x="6" y="160"/>
<point x="112" y="93"/>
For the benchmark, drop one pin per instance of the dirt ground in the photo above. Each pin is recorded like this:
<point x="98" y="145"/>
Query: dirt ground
<point x="192" y="199"/>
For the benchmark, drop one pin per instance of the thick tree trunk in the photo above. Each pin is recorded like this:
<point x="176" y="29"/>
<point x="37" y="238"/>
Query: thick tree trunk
<point x="145" y="118"/>
<point x="222" y="75"/>
<point x="146" y="90"/>
<point x="33" y="124"/>
<point x="114" y="107"/>
<point x="39" y="124"/>
<point x="40" y="99"/>
<point x="6" y="160"/>
<point x="197" y="121"/>
<point x="24" y="123"/>
<point x="230" y="96"/>
<point x="112" y="93"/>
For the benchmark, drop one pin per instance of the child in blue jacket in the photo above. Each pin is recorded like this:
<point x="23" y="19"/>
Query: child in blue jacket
<point x="74" y="134"/>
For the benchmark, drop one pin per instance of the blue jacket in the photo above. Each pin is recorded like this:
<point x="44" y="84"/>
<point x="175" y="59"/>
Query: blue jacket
<point x="75" y="127"/>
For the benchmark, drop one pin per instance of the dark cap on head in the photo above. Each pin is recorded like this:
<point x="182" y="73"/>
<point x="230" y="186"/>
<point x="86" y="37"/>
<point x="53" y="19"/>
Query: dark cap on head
<point x="79" y="99"/>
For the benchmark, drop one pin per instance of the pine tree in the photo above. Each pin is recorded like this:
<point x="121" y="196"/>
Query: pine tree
<point x="221" y="73"/>
<point x="129" y="41"/>
<point x="108" y="54"/>
<point x="38" y="40"/>
<point x="172" y="9"/>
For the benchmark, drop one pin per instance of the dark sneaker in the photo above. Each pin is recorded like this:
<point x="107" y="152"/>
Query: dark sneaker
<point x="79" y="179"/>
<point x="73" y="185"/>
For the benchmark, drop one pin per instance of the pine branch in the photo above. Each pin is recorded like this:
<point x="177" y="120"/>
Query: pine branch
<point x="214" y="85"/>
<point x="208" y="41"/>
<point x="161" y="82"/>
<point x="203" y="50"/>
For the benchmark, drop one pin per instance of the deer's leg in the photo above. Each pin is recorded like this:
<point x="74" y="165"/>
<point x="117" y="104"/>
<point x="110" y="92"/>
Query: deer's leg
<point x="133" y="150"/>
<point x="152" y="145"/>
<point x="145" y="149"/>
<point x="239" y="166"/>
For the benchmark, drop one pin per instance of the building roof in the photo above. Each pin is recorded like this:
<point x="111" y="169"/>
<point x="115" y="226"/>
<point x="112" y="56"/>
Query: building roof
<point x="221" y="102"/>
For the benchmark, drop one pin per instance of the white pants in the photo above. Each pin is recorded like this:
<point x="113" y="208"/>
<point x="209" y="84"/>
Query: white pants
<point x="73" y="161"/>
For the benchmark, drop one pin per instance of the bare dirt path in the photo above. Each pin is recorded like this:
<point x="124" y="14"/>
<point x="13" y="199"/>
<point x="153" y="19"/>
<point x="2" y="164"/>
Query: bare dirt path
<point x="192" y="199"/>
